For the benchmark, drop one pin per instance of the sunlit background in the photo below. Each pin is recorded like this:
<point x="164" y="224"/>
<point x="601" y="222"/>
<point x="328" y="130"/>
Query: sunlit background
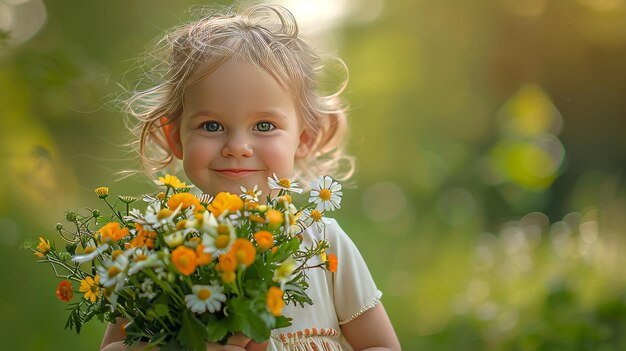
<point x="490" y="202"/>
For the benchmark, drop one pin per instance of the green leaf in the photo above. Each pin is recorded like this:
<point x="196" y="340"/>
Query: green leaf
<point x="192" y="333"/>
<point x="282" y="321"/>
<point x="285" y="250"/>
<point x="242" y="318"/>
<point x="255" y="328"/>
<point x="161" y="310"/>
<point x="216" y="330"/>
<point x="172" y="345"/>
<point x="234" y="321"/>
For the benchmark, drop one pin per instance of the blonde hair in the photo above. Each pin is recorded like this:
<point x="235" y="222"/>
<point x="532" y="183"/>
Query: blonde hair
<point x="255" y="36"/>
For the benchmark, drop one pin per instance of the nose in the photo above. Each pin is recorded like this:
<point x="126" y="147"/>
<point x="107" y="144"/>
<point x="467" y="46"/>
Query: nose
<point x="237" y="146"/>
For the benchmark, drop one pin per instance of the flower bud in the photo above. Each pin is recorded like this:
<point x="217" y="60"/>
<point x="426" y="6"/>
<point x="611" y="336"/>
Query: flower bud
<point x="102" y="192"/>
<point x="127" y="199"/>
<point x="71" y="248"/>
<point x="71" y="216"/>
<point x="65" y="256"/>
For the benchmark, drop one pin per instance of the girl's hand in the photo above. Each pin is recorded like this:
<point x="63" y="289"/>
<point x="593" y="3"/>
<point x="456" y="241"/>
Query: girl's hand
<point x="256" y="346"/>
<point x="236" y="342"/>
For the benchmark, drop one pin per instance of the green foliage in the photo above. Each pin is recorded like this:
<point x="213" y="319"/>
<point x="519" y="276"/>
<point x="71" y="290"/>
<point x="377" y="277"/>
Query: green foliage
<point x="192" y="333"/>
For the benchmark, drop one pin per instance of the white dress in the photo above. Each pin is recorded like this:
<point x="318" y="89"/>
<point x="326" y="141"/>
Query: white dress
<point x="337" y="297"/>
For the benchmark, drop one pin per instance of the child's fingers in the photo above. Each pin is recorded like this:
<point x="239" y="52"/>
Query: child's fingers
<point x="256" y="346"/>
<point x="239" y="339"/>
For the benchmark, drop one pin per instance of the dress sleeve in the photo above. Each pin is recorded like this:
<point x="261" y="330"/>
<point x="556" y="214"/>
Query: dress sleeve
<point x="354" y="290"/>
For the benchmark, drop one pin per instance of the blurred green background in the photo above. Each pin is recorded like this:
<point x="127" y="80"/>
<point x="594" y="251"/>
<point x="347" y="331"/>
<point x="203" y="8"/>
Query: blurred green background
<point x="489" y="135"/>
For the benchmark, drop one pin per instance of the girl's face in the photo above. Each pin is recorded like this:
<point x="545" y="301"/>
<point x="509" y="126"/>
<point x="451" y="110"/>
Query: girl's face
<point x="238" y="126"/>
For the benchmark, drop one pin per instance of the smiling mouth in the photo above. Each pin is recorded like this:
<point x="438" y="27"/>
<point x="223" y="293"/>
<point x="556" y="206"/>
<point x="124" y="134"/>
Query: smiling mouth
<point x="236" y="173"/>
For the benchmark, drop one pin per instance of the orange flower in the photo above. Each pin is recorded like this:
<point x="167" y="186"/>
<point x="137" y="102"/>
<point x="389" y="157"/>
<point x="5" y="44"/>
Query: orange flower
<point x="43" y="248"/>
<point x="244" y="251"/>
<point x="264" y="239"/>
<point x="186" y="200"/>
<point x="203" y="258"/>
<point x="64" y="291"/>
<point x="274" y="301"/>
<point x="143" y="238"/>
<point x="225" y="201"/>
<point x="112" y="231"/>
<point x="185" y="260"/>
<point x="332" y="263"/>
<point x="275" y="218"/>
<point x="227" y="262"/>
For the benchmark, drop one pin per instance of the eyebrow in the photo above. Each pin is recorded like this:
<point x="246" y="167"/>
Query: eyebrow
<point x="272" y="112"/>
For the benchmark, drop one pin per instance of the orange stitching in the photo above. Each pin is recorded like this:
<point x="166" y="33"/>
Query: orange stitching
<point x="308" y="332"/>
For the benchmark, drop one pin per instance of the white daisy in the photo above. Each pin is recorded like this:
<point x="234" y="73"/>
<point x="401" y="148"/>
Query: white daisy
<point x="149" y="198"/>
<point x="174" y="239"/>
<point x="90" y="256"/>
<point x="250" y="194"/>
<point x="135" y="216"/>
<point x="205" y="298"/>
<point x="283" y="184"/>
<point x="115" y="271"/>
<point x="147" y="289"/>
<point x="220" y="239"/>
<point x="314" y="216"/>
<point x="206" y="223"/>
<point x="157" y="217"/>
<point x="205" y="198"/>
<point x="326" y="194"/>
<point x="143" y="259"/>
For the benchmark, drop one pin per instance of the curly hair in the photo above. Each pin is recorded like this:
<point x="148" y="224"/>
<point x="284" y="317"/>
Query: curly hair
<point x="268" y="38"/>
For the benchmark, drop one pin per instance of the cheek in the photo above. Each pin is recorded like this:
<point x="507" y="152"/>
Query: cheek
<point x="278" y="155"/>
<point x="197" y="155"/>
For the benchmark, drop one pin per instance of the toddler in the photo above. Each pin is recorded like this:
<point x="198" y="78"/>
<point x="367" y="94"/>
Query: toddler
<point x="238" y="102"/>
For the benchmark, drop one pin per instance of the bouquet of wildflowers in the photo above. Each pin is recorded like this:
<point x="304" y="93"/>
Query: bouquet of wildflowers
<point x="189" y="269"/>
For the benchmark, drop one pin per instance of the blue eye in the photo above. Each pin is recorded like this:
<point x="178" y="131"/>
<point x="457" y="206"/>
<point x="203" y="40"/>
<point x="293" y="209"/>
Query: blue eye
<point x="212" y="126"/>
<point x="264" y="126"/>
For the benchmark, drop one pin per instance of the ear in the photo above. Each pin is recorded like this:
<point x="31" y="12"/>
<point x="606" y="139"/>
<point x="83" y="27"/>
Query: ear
<point x="172" y="135"/>
<point x="305" y="145"/>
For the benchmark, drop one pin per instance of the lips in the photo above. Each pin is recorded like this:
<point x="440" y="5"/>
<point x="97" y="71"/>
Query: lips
<point x="236" y="172"/>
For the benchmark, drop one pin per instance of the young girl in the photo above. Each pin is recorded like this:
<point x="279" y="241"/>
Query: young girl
<point x="237" y="103"/>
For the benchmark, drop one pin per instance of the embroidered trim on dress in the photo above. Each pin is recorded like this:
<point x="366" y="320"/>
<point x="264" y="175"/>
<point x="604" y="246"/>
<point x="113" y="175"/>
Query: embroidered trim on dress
<point x="365" y="308"/>
<point x="309" y="340"/>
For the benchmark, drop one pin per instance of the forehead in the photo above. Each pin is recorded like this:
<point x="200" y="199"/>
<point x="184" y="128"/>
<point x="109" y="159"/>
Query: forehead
<point x="236" y="83"/>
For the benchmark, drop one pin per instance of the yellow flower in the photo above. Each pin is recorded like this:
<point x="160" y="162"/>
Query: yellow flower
<point x="43" y="248"/>
<point x="171" y="181"/>
<point x="228" y="276"/>
<point x="102" y="192"/>
<point x="91" y="288"/>
<point x="274" y="301"/>
<point x="283" y="273"/>
<point x="225" y="201"/>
